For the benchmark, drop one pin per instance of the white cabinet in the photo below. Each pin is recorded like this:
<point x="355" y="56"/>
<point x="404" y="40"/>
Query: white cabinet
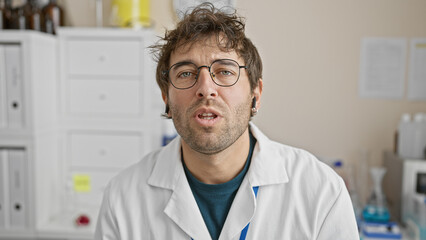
<point x="97" y="56"/>
<point x="113" y="97"/>
<point x="75" y="109"/>
<point x="28" y="110"/>
<point x="109" y="117"/>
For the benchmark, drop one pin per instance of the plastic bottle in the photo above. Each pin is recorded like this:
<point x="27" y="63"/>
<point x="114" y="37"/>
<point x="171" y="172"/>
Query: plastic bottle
<point x="404" y="132"/>
<point x="419" y="138"/>
<point x="412" y="136"/>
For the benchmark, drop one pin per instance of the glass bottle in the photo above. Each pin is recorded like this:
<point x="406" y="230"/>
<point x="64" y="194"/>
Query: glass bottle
<point x="18" y="20"/>
<point x="32" y="15"/>
<point x="35" y="16"/>
<point x="2" y="18"/>
<point x="53" y="17"/>
<point x="5" y="14"/>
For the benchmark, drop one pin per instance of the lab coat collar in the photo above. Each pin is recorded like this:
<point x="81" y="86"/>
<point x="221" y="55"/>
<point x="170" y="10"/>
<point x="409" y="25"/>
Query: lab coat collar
<point x="267" y="166"/>
<point x="182" y="208"/>
<point x="168" y="167"/>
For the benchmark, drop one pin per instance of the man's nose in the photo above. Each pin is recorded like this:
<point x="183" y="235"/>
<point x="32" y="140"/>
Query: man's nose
<point x="205" y="85"/>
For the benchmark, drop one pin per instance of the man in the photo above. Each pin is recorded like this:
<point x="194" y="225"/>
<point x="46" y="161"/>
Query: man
<point x="222" y="178"/>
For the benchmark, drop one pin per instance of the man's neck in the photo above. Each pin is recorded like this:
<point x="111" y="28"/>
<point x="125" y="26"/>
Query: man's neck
<point x="220" y="167"/>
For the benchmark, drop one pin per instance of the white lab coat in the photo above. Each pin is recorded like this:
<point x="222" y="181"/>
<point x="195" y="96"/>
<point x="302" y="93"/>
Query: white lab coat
<point x="298" y="198"/>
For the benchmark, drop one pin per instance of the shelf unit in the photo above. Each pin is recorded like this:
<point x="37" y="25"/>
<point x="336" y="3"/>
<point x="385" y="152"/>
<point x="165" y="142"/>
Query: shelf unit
<point x="75" y="109"/>
<point x="28" y="131"/>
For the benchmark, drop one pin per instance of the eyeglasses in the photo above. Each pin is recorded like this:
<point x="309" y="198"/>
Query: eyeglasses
<point x="224" y="73"/>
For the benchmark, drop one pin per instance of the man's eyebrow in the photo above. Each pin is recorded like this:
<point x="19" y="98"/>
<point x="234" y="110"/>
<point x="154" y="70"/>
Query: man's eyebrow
<point x="182" y="63"/>
<point x="186" y="62"/>
<point x="225" y="62"/>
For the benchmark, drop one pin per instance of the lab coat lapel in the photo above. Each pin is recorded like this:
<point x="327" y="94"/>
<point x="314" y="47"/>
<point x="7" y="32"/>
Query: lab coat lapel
<point x="266" y="168"/>
<point x="241" y="212"/>
<point x="168" y="173"/>
<point x="183" y="210"/>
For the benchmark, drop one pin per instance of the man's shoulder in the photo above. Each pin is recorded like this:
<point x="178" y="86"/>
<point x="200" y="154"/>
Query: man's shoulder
<point x="298" y="163"/>
<point x="303" y="167"/>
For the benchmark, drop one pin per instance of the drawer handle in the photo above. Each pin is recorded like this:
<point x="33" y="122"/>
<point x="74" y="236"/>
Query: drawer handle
<point x="102" y="152"/>
<point x="102" y="58"/>
<point x="102" y="97"/>
<point x="15" y="105"/>
<point x="18" y="207"/>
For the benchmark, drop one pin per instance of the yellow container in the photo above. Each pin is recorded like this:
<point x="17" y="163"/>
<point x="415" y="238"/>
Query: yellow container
<point x="130" y="13"/>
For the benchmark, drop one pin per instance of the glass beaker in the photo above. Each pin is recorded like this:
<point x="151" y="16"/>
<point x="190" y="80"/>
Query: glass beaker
<point x="376" y="209"/>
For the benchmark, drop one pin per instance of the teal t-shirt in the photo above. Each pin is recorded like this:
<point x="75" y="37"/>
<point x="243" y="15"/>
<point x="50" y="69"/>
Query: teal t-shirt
<point x="215" y="200"/>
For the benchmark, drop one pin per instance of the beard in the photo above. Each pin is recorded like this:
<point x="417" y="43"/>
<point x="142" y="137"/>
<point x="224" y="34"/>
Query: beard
<point x="211" y="140"/>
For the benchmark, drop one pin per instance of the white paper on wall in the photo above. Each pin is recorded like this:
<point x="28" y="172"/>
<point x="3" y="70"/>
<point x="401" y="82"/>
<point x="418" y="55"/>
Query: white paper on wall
<point x="417" y="72"/>
<point x="382" y="68"/>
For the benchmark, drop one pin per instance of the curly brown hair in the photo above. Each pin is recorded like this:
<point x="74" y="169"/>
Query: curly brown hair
<point x="204" y="22"/>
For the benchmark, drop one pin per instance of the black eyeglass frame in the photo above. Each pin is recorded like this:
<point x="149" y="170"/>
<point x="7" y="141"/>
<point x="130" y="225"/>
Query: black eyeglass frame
<point x="166" y="72"/>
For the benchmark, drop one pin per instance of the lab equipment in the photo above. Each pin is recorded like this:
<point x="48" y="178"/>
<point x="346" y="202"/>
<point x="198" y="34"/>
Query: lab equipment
<point x="376" y="209"/>
<point x="416" y="221"/>
<point x="403" y="177"/>
<point x="376" y="231"/>
<point x="419" y="214"/>
<point x="421" y="183"/>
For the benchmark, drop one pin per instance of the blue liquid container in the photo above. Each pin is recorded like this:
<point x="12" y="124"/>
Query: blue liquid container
<point x="376" y="214"/>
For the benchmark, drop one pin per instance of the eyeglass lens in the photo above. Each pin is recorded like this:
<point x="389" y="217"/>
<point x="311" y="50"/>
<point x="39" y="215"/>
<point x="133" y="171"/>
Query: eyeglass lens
<point x="223" y="72"/>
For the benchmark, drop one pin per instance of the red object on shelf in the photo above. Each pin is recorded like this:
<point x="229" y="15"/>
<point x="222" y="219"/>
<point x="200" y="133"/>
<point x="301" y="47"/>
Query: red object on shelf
<point x="82" y="220"/>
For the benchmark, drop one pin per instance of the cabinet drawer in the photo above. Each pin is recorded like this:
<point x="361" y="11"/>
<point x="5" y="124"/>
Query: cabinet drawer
<point x="104" y="149"/>
<point x="104" y="97"/>
<point x="104" y="57"/>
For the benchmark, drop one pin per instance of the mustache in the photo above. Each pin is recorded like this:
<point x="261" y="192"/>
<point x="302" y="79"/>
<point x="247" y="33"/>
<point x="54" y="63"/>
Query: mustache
<point x="206" y="103"/>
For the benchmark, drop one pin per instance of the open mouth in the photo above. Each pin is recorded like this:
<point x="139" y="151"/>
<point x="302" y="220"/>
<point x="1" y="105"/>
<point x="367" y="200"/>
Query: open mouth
<point x="207" y="116"/>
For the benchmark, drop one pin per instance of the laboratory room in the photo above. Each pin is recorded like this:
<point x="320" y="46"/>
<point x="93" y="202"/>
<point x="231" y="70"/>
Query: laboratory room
<point x="119" y="119"/>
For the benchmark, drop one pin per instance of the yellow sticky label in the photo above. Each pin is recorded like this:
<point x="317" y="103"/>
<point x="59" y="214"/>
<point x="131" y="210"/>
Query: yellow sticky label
<point x="81" y="183"/>
<point x="421" y="45"/>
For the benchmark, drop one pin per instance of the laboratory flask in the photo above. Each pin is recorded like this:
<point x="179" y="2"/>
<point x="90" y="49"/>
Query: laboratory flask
<point x="376" y="209"/>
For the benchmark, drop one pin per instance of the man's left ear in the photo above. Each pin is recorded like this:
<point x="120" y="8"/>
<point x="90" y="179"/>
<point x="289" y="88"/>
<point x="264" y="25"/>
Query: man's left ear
<point x="166" y="113"/>
<point x="257" y="93"/>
